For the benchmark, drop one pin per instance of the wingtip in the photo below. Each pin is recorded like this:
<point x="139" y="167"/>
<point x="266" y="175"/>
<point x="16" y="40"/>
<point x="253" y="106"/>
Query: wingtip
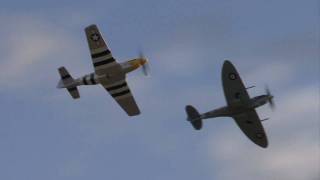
<point x="227" y="62"/>
<point x="90" y="26"/>
<point x="265" y="146"/>
<point x="134" y="113"/>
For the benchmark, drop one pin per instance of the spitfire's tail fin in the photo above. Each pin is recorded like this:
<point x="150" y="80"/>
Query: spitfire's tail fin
<point x="68" y="82"/>
<point x="194" y="117"/>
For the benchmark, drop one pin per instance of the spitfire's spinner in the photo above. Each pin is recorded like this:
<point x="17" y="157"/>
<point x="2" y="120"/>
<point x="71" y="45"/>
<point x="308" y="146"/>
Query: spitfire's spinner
<point x="239" y="106"/>
<point x="107" y="72"/>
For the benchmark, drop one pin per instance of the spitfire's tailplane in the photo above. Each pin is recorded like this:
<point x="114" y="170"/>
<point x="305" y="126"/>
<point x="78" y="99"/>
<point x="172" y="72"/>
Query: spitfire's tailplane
<point x="194" y="117"/>
<point x="68" y="82"/>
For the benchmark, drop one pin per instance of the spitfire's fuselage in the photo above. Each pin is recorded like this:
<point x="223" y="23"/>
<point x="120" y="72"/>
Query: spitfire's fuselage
<point x="237" y="107"/>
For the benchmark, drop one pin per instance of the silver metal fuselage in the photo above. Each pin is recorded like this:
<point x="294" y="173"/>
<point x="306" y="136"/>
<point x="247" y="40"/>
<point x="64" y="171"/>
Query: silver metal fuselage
<point x="237" y="107"/>
<point x="93" y="78"/>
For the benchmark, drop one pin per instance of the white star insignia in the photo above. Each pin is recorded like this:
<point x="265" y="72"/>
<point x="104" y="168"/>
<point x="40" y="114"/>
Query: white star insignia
<point x="95" y="37"/>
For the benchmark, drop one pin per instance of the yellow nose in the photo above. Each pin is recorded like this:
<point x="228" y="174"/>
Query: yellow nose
<point x="143" y="61"/>
<point x="136" y="63"/>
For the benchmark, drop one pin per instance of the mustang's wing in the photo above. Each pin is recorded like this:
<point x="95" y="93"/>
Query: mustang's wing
<point x="103" y="61"/>
<point x="233" y="87"/>
<point x="251" y="126"/>
<point x="111" y="75"/>
<point x="120" y="91"/>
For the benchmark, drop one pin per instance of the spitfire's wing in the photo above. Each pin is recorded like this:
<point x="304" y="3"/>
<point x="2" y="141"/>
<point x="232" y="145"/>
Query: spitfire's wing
<point x="251" y="126"/>
<point x="103" y="61"/>
<point x="233" y="87"/>
<point x="120" y="91"/>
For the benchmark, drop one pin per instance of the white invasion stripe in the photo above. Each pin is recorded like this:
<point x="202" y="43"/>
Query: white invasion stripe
<point x="98" y="50"/>
<point x="115" y="84"/>
<point x="102" y="58"/>
<point x="123" y="96"/>
<point x="119" y="90"/>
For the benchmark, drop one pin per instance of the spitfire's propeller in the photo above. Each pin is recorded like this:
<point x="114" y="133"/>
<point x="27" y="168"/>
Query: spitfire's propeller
<point x="270" y="98"/>
<point x="144" y="62"/>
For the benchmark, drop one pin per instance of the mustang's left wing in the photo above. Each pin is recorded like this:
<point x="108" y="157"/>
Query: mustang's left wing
<point x="251" y="126"/>
<point x="233" y="87"/>
<point x="120" y="91"/>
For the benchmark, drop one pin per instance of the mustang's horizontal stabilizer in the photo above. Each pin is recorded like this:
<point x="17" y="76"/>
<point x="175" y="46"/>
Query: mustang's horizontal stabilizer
<point x="194" y="117"/>
<point x="68" y="82"/>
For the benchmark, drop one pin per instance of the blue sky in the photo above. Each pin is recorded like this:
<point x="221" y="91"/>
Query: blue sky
<point x="44" y="134"/>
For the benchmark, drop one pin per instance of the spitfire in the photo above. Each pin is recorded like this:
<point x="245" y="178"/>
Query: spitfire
<point x="239" y="106"/>
<point x="107" y="72"/>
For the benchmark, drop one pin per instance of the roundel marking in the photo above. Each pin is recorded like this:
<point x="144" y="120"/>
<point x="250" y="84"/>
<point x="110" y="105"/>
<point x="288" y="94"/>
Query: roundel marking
<point x="232" y="76"/>
<point x="95" y="37"/>
<point x="259" y="135"/>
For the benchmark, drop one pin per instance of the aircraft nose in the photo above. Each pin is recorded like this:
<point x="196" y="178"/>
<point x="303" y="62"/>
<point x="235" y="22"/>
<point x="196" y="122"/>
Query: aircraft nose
<point x="144" y="61"/>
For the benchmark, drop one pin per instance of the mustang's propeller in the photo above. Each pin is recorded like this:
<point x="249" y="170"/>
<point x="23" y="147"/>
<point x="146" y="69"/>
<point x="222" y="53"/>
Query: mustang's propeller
<point x="270" y="98"/>
<point x="144" y="63"/>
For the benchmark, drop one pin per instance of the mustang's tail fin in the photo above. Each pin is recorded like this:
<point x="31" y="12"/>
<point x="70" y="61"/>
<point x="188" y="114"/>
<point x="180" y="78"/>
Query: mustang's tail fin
<point x="194" y="117"/>
<point x="68" y="82"/>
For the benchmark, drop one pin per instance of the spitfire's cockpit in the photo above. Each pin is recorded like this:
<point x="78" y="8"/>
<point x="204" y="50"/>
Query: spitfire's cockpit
<point x="260" y="100"/>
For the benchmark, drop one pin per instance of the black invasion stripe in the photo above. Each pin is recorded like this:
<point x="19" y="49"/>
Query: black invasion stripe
<point x="84" y="80"/>
<point x="103" y="53"/>
<point x="107" y="61"/>
<point x="121" y="93"/>
<point x="72" y="89"/>
<point x="117" y="86"/>
<point x="66" y="76"/>
<point x="92" y="79"/>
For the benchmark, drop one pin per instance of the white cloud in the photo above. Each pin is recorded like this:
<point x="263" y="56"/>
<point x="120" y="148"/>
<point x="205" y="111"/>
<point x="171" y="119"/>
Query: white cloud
<point x="30" y="42"/>
<point x="275" y="74"/>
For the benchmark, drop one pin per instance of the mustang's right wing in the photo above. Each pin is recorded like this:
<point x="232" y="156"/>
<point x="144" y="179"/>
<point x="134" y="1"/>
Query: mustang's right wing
<point x="251" y="126"/>
<point x="103" y="61"/>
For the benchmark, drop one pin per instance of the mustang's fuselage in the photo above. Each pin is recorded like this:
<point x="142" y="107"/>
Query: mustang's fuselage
<point x="93" y="78"/>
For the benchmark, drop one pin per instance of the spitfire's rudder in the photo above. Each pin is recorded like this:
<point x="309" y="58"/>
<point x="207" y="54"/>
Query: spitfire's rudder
<point x="194" y="117"/>
<point x="68" y="82"/>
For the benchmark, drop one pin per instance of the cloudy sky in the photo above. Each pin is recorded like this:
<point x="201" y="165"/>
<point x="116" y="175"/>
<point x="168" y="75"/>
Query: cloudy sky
<point x="44" y="134"/>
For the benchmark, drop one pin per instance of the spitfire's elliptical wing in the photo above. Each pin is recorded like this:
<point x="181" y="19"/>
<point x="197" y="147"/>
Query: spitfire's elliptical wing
<point x="120" y="91"/>
<point x="251" y="126"/>
<point x="103" y="61"/>
<point x="233" y="87"/>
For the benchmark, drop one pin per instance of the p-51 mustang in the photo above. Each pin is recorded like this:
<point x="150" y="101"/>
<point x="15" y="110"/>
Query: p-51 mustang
<point x="239" y="106"/>
<point x="107" y="72"/>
